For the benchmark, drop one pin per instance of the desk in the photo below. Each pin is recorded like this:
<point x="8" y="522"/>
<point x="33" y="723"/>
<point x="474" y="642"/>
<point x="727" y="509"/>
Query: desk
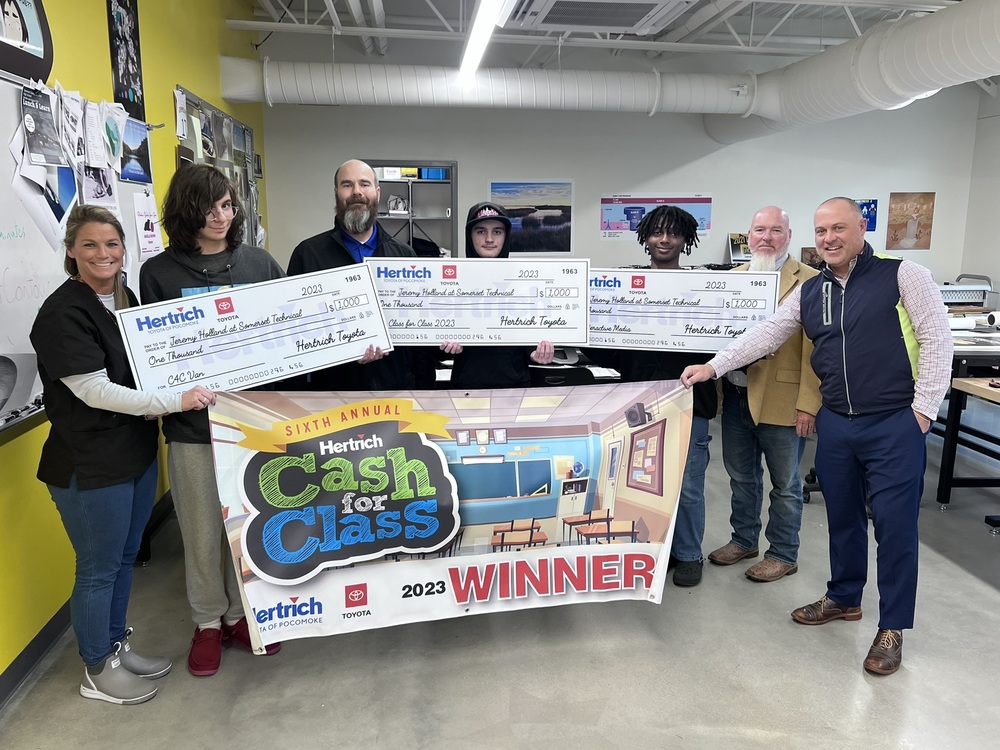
<point x="523" y="525"/>
<point x="505" y="541"/>
<point x="569" y="522"/>
<point x="608" y="530"/>
<point x="976" y="353"/>
<point x="960" y="390"/>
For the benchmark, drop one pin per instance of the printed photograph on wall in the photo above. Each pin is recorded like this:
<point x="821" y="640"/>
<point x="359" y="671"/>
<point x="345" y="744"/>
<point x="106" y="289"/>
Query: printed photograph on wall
<point x="126" y="62"/>
<point x="540" y="214"/>
<point x="25" y="40"/>
<point x="911" y="218"/>
<point x="135" y="153"/>
<point x="207" y="134"/>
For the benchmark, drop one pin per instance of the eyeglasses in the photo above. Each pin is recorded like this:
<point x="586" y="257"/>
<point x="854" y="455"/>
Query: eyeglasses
<point x="227" y="211"/>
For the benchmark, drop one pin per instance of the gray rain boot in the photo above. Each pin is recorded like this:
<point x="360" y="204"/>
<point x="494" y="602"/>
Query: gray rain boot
<point x="150" y="667"/>
<point x="110" y="681"/>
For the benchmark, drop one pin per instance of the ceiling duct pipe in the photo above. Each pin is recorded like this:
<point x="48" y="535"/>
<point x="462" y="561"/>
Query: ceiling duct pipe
<point x="889" y="66"/>
<point x="499" y="88"/>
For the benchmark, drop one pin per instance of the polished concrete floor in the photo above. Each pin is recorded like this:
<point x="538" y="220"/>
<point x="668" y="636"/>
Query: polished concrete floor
<point x="718" y="666"/>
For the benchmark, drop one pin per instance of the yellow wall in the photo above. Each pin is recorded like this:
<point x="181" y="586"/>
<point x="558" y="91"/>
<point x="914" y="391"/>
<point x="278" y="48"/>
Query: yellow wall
<point x="180" y="43"/>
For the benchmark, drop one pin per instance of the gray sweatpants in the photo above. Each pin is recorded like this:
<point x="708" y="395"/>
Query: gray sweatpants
<point x="208" y="567"/>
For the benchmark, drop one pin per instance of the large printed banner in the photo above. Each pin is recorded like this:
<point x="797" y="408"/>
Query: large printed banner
<point x="347" y="514"/>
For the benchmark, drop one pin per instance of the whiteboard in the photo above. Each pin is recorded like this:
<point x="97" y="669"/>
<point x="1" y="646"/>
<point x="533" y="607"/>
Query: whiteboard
<point x="30" y="269"/>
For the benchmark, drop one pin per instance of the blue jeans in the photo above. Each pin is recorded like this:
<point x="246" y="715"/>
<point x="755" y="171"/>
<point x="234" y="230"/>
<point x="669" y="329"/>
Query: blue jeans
<point x="743" y="445"/>
<point x="105" y="528"/>
<point x="689" y="529"/>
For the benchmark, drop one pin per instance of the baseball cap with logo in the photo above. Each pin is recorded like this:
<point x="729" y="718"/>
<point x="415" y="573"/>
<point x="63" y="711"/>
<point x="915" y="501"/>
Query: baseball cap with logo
<point x="485" y="212"/>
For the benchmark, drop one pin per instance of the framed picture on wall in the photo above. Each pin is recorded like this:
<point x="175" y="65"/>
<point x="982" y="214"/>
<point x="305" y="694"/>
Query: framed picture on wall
<point x="462" y="437"/>
<point x="540" y="212"/>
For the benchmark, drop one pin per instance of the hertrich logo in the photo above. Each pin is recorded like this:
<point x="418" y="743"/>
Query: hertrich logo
<point x="293" y="612"/>
<point x="402" y="273"/>
<point x="604" y="282"/>
<point x="172" y="318"/>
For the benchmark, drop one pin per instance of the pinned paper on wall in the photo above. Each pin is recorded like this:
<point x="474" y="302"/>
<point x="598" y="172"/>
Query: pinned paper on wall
<point x="113" y="119"/>
<point x="97" y="153"/>
<point x="71" y="126"/>
<point x="147" y="226"/>
<point x="180" y="113"/>
<point x="40" y="130"/>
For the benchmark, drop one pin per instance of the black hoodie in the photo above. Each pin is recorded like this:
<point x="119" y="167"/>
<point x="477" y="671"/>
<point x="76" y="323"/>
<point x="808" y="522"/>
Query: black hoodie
<point x="490" y="366"/>
<point x="173" y="274"/>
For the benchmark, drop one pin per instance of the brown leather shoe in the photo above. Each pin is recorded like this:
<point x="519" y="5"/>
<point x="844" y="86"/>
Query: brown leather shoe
<point x="769" y="569"/>
<point x="824" y="611"/>
<point x="886" y="653"/>
<point x="731" y="553"/>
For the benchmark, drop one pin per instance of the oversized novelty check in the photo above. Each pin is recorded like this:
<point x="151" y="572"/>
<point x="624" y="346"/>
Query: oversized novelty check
<point x="699" y="311"/>
<point x="496" y="301"/>
<point x="244" y="336"/>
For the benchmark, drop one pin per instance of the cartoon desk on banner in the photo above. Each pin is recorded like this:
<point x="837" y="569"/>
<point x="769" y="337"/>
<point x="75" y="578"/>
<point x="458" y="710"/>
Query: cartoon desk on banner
<point x="346" y="514"/>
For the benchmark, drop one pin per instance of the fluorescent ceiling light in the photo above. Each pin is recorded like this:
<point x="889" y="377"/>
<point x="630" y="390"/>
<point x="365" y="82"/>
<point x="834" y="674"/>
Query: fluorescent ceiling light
<point x="489" y="13"/>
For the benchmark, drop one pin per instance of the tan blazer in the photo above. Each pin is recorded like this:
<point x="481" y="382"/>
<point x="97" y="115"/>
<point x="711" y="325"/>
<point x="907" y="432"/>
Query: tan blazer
<point x="779" y="386"/>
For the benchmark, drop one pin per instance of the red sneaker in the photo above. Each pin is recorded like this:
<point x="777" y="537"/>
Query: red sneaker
<point x="206" y="652"/>
<point x="240" y="634"/>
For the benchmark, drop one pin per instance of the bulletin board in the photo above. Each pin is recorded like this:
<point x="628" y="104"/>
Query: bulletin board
<point x="646" y="459"/>
<point x="31" y="260"/>
<point x="217" y="138"/>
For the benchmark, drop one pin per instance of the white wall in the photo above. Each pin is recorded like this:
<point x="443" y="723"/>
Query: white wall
<point x="928" y="146"/>
<point x="982" y="228"/>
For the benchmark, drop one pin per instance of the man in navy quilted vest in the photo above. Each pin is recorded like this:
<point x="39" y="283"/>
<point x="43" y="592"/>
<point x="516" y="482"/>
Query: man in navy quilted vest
<point x="882" y="352"/>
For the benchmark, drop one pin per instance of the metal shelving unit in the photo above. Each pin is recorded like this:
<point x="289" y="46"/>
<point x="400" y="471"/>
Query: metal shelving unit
<point x="416" y="207"/>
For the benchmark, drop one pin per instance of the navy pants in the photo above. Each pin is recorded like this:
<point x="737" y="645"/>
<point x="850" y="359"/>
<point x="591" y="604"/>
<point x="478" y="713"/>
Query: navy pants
<point x="882" y="456"/>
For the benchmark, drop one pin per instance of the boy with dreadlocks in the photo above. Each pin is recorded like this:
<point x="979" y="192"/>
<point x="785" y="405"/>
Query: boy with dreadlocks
<point x="666" y="233"/>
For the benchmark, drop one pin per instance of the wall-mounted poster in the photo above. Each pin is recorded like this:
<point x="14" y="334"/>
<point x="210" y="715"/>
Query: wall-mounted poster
<point x="739" y="248"/>
<point x="621" y="212"/>
<point x="541" y="214"/>
<point x="911" y="218"/>
<point x="126" y="62"/>
<point x="40" y="132"/>
<point x="25" y="40"/>
<point x="869" y="211"/>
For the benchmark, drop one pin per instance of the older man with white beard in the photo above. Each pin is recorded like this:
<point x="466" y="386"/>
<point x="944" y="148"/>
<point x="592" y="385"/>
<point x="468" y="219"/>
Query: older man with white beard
<point x="356" y="235"/>
<point x="768" y="409"/>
